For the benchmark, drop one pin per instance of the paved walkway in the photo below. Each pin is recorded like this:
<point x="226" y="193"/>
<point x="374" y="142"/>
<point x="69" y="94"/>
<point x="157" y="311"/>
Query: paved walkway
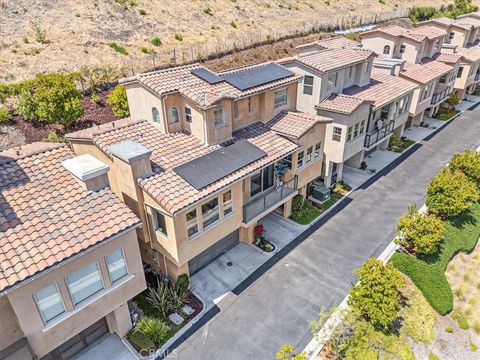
<point x="272" y="307"/>
<point x="109" y="348"/>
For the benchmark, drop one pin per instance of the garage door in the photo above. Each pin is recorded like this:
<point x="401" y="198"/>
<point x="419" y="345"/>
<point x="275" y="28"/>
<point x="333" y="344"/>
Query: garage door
<point x="214" y="251"/>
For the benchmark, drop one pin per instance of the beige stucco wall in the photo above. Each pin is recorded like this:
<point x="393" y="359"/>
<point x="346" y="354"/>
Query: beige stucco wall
<point x="141" y="101"/>
<point x="418" y="106"/>
<point x="10" y="331"/>
<point x="44" y="338"/>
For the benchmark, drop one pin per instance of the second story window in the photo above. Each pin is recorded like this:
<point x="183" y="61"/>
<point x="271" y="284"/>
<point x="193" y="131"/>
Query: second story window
<point x="451" y="35"/>
<point x="308" y="85"/>
<point x="281" y="98"/>
<point x="386" y="49"/>
<point x="309" y="154"/>
<point x="84" y="282"/>
<point x="362" y="126"/>
<point x="210" y="212"/>
<point x="318" y="149"/>
<point x="49" y="302"/>
<point x="437" y="44"/>
<point x="443" y="79"/>
<point x="117" y="268"/>
<point x="218" y="116"/>
<point x="349" y="133"/>
<point x="155" y="115"/>
<point x="337" y="133"/>
<point x="355" y="129"/>
<point x="192" y="225"/>
<point x="402" y="49"/>
<point x="301" y="154"/>
<point x="173" y="116"/>
<point x="332" y="80"/>
<point x="227" y="202"/>
<point x="188" y="114"/>
<point x="159" y="223"/>
<point x="287" y="160"/>
<point x="460" y="72"/>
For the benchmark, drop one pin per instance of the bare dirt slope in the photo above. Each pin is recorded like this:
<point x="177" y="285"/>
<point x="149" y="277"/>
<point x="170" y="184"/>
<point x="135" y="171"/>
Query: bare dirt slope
<point x="78" y="32"/>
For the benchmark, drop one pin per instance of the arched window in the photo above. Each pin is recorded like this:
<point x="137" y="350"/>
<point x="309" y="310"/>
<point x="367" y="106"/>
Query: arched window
<point x="173" y="116"/>
<point x="155" y="115"/>
<point x="386" y="49"/>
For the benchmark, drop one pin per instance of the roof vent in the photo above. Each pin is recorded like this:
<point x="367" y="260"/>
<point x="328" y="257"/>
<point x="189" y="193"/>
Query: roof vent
<point x="91" y="172"/>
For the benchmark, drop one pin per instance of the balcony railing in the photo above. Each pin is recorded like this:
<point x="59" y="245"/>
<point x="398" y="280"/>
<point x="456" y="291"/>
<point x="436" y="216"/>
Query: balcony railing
<point x="477" y="76"/>
<point x="436" y="98"/>
<point x="269" y="199"/>
<point x="377" y="135"/>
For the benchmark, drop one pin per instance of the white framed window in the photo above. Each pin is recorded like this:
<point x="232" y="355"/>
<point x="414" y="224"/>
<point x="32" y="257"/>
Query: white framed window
<point x="192" y="224"/>
<point x="332" y="80"/>
<point x="349" y="133"/>
<point x="159" y="223"/>
<point x="301" y="154"/>
<point x="210" y="212"/>
<point x="318" y="149"/>
<point x="355" y="130"/>
<point x="49" y="302"/>
<point x="84" y="282"/>
<point x="188" y="114"/>
<point x="308" y="85"/>
<point x="337" y="133"/>
<point x="218" y="116"/>
<point x="309" y="154"/>
<point x="362" y="126"/>
<point x="116" y="264"/>
<point x="386" y="49"/>
<point x="281" y="98"/>
<point x="173" y="116"/>
<point x="155" y="115"/>
<point x="227" y="202"/>
<point x="402" y="49"/>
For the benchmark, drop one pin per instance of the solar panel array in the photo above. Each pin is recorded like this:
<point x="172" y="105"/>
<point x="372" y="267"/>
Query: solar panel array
<point x="246" y="79"/>
<point x="213" y="166"/>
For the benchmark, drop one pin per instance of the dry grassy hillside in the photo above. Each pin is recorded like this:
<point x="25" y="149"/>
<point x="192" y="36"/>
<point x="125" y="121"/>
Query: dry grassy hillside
<point x="78" y="32"/>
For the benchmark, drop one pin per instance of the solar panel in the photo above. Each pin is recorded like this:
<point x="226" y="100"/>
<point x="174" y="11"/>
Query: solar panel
<point x="211" y="167"/>
<point x="207" y="75"/>
<point x="249" y="78"/>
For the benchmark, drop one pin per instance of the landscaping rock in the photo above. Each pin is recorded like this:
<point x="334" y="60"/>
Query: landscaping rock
<point x="187" y="310"/>
<point x="175" y="318"/>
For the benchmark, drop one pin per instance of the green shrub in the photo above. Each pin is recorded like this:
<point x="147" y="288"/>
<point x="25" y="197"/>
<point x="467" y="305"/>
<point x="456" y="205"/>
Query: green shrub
<point x="473" y="347"/>
<point x="142" y="12"/>
<point x="117" y="99"/>
<point x="156" y="41"/>
<point x="422" y="13"/>
<point x="178" y="36"/>
<point x="450" y="192"/>
<point x="467" y="162"/>
<point x="154" y="329"/>
<point x="141" y="340"/>
<point x="377" y="297"/>
<point x="419" y="232"/>
<point x="342" y="187"/>
<point x="432" y="356"/>
<point x="183" y="282"/>
<point x="460" y="319"/>
<point x="95" y="98"/>
<point x="207" y="10"/>
<point x="449" y="329"/>
<point x="287" y="352"/>
<point x="118" y="48"/>
<point x="51" y="98"/>
<point x="233" y="24"/>
<point x="54" y="137"/>
<point x="168" y="298"/>
<point x="40" y="34"/>
<point x="452" y="101"/>
<point x="303" y="211"/>
<point x="4" y="115"/>
<point x="381" y="2"/>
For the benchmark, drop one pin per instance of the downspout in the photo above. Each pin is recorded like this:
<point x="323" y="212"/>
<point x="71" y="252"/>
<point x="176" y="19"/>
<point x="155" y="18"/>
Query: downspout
<point x="164" y="111"/>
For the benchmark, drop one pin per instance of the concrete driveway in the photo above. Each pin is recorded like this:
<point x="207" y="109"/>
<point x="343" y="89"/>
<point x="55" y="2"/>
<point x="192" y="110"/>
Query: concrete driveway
<point x="272" y="307"/>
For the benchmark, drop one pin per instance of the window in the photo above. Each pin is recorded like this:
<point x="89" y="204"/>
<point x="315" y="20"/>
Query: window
<point x="249" y="104"/>
<point x="227" y="202"/>
<point x="218" y="116"/>
<point x="173" y="116"/>
<point x="287" y="160"/>
<point x="349" y="133"/>
<point x="84" y="283"/>
<point x="210" y="212"/>
<point x="451" y="35"/>
<point x="386" y="49"/>
<point x="443" y="79"/>
<point x="159" y="223"/>
<point x="332" y="80"/>
<point x="256" y="184"/>
<point x="309" y="154"/>
<point x="49" y="302"/>
<point x="281" y="98"/>
<point x="192" y="225"/>
<point x="300" y="159"/>
<point x="188" y="114"/>
<point x="384" y="112"/>
<point x="355" y="130"/>
<point x="308" y="85"/>
<point x="117" y="268"/>
<point x="262" y="180"/>
<point x="362" y="126"/>
<point x="402" y="49"/>
<point x="337" y="134"/>
<point x="268" y="175"/>
<point x="318" y="149"/>
<point x="460" y="72"/>
<point x="235" y="109"/>
<point x="155" y="115"/>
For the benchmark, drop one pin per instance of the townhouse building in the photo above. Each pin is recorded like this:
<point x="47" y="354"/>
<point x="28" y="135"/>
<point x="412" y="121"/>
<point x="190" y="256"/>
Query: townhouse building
<point x="69" y="255"/>
<point x="366" y="106"/>
<point x="205" y="156"/>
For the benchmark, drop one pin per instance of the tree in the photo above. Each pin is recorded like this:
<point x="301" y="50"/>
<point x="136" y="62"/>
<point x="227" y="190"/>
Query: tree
<point x="419" y="232"/>
<point x="467" y="162"/>
<point x="117" y="99"/>
<point x="377" y="297"/>
<point x="286" y="352"/>
<point x="452" y="101"/>
<point x="450" y="192"/>
<point x="51" y="98"/>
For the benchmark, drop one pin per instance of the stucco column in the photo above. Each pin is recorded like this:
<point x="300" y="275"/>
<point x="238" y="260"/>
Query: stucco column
<point x="119" y="321"/>
<point x="247" y="234"/>
<point x="287" y="208"/>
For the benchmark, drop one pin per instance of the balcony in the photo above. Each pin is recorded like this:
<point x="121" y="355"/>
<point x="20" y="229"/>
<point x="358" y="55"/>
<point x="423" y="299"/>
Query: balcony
<point x="373" y="137"/>
<point x="270" y="199"/>
<point x="436" y="98"/>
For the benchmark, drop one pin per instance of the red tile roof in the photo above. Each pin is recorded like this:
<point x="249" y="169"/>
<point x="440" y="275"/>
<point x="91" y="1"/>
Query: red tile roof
<point x="448" y="58"/>
<point x="295" y="124"/>
<point x="426" y="72"/>
<point x="418" y="34"/>
<point x="341" y="103"/>
<point x="168" y="188"/>
<point x="383" y="89"/>
<point x="180" y="79"/>
<point x="460" y="23"/>
<point x="471" y="54"/>
<point x="46" y="216"/>
<point x="338" y="42"/>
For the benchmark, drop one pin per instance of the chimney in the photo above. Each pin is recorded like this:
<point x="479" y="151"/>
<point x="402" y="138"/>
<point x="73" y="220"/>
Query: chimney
<point x="134" y="154"/>
<point x="390" y="66"/>
<point x="89" y="171"/>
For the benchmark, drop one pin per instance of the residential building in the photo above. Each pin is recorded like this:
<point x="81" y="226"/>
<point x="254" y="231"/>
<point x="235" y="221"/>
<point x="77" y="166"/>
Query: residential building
<point x="205" y="156"/>
<point x="69" y="255"/>
<point x="461" y="33"/>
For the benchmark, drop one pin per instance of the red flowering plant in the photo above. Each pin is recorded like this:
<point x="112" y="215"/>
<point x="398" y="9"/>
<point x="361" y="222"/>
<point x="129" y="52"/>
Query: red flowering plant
<point x="259" y="230"/>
